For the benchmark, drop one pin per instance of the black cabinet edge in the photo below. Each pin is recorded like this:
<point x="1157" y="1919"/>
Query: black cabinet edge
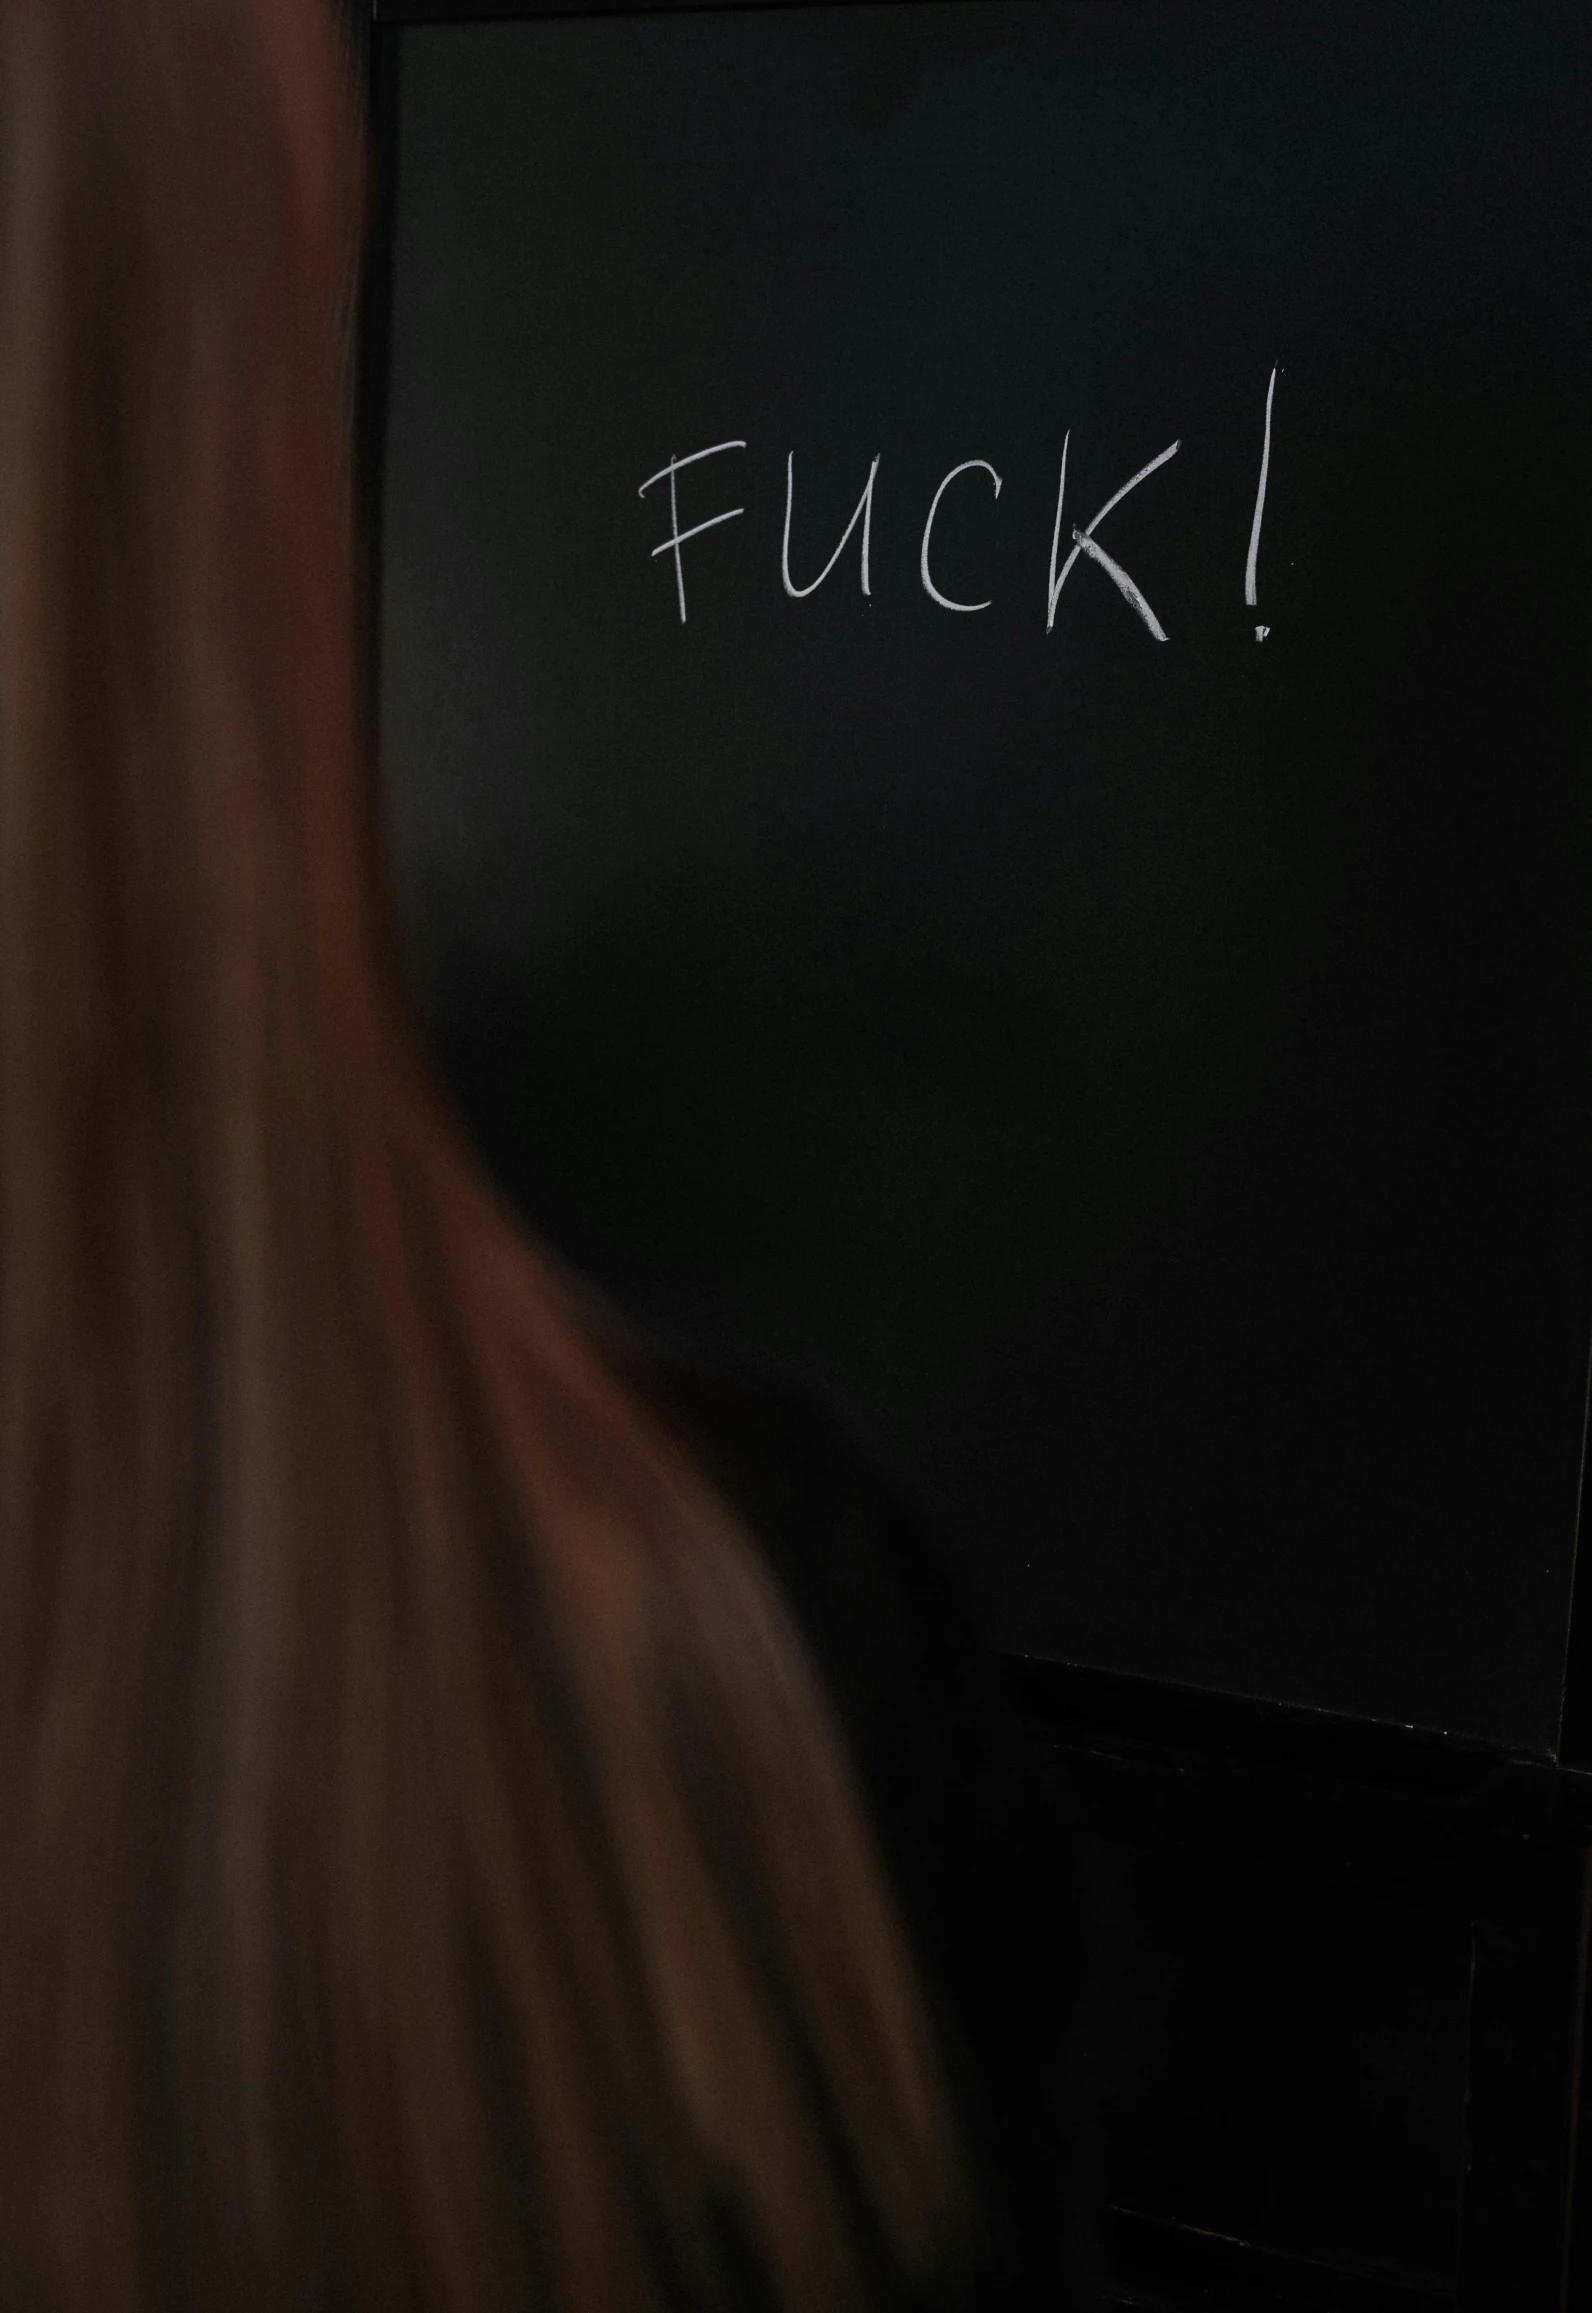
<point x="494" y="11"/>
<point x="1073" y="1705"/>
<point x="498" y="10"/>
<point x="1159" y="2263"/>
<point x="1575" y="1711"/>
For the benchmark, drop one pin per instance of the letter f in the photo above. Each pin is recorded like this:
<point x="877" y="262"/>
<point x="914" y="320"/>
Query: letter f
<point x="677" y="537"/>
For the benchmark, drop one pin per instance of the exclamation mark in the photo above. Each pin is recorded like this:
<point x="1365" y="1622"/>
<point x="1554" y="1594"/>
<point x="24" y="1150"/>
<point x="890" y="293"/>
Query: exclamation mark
<point x="1251" y="594"/>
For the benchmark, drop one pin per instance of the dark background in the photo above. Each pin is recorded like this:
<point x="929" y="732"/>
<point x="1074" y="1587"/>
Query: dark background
<point x="1145" y="1088"/>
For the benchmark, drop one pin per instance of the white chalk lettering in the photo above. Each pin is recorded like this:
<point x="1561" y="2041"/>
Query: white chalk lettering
<point x="1070" y="541"/>
<point x="1251" y="586"/>
<point x="864" y="514"/>
<point x="1083" y="542"/>
<point x="678" y="537"/>
<point x="968" y="466"/>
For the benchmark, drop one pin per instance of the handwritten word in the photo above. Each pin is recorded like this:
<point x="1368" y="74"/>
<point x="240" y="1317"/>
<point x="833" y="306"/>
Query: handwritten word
<point x="1085" y="545"/>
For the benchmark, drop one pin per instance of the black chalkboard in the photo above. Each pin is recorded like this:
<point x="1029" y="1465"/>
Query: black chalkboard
<point x="1136" y="1063"/>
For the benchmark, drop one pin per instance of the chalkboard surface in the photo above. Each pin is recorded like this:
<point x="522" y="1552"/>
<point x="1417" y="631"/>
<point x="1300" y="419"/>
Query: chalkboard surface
<point x="985" y="699"/>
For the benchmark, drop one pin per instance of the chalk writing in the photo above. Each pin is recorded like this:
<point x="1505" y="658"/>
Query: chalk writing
<point x="864" y="514"/>
<point x="968" y="466"/>
<point x="1251" y="590"/>
<point x="677" y="537"/>
<point x="1083" y="542"/>
<point x="1085" y="545"/>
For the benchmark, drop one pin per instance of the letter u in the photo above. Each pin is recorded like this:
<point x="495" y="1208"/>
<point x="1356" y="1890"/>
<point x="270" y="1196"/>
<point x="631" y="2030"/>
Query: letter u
<point x="864" y="514"/>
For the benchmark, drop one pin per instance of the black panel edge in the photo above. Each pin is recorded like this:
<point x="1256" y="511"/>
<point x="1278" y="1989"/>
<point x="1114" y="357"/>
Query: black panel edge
<point x="377" y="62"/>
<point x="1071" y="1702"/>
<point x="1161" y="2264"/>
<point x="492" y="11"/>
<point x="1576" y="2275"/>
<point x="1067" y="1698"/>
<point x="376" y="58"/>
<point x="1575" y="1694"/>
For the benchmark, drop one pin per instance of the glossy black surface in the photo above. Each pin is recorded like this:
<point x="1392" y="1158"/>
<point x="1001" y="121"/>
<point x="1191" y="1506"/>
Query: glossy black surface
<point x="1144" y="1085"/>
<point x="1338" y="2002"/>
<point x="1337" y="2006"/>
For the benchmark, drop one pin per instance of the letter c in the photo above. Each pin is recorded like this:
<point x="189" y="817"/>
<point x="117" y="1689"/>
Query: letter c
<point x="930" y="589"/>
